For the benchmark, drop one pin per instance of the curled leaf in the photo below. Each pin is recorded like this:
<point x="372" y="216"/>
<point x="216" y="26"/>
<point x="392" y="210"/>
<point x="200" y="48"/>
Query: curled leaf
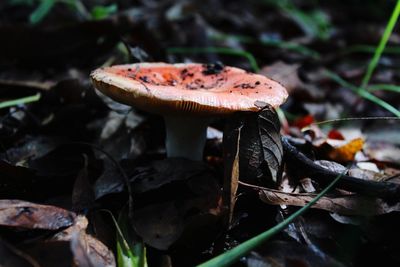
<point x="17" y="213"/>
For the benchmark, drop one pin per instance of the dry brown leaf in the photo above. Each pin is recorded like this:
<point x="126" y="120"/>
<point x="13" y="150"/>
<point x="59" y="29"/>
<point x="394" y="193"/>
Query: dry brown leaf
<point x="80" y="224"/>
<point x="367" y="174"/>
<point x="351" y="204"/>
<point x="89" y="251"/>
<point x="383" y="152"/>
<point x="17" y="213"/>
<point x="234" y="183"/>
<point x="284" y="73"/>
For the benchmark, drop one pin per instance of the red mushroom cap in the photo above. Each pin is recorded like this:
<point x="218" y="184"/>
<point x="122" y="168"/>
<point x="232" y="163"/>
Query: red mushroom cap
<point x="194" y="88"/>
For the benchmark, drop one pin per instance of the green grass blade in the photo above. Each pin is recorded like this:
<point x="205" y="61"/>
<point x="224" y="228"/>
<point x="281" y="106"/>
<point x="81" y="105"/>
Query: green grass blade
<point x="218" y="50"/>
<point x="363" y="93"/>
<point x="352" y="119"/>
<point x="384" y="87"/>
<point x="370" y="49"/>
<point x="129" y="253"/>
<point x="20" y="101"/>
<point x="241" y="250"/>
<point x="382" y="44"/>
<point x="41" y="11"/>
<point x="102" y="12"/>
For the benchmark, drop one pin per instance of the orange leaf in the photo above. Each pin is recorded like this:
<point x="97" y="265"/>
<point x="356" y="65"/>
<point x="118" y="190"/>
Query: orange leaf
<point x="346" y="152"/>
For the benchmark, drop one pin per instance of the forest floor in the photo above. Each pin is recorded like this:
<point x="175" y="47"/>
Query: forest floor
<point x="74" y="164"/>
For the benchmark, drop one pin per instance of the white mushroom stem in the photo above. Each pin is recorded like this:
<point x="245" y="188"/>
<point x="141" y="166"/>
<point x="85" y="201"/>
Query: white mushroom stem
<point x="186" y="136"/>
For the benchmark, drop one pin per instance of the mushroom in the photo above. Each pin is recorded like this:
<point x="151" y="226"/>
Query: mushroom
<point x="187" y="96"/>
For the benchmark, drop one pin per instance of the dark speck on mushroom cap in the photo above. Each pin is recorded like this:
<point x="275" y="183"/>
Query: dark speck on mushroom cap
<point x="193" y="88"/>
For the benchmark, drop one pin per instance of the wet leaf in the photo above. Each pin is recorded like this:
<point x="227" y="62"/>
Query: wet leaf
<point x="22" y="214"/>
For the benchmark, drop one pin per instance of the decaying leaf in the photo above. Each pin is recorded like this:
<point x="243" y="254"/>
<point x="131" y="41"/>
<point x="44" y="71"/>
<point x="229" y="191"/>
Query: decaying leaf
<point x="175" y="202"/>
<point x="231" y="175"/>
<point x="287" y="74"/>
<point x="383" y="152"/>
<point x="234" y="181"/>
<point x="89" y="251"/>
<point x="351" y="204"/>
<point x="159" y="173"/>
<point x="346" y="152"/>
<point x="260" y="148"/>
<point x="80" y="224"/>
<point x="339" y="150"/>
<point x="16" y="213"/>
<point x="159" y="225"/>
<point x="86" y="249"/>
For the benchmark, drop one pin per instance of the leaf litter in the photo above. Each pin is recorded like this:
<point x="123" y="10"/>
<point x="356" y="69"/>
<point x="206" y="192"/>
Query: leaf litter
<point x="47" y="173"/>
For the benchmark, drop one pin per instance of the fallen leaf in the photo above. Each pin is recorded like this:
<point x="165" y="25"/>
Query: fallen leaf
<point x="82" y="193"/>
<point x="90" y="252"/>
<point x="367" y="174"/>
<point x="232" y="171"/>
<point x="383" y="152"/>
<point x="80" y="224"/>
<point x="159" y="173"/>
<point x="260" y="147"/>
<point x="351" y="204"/>
<point x="339" y="150"/>
<point x="287" y="74"/>
<point x="347" y="151"/>
<point x="176" y="206"/>
<point x="17" y="213"/>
